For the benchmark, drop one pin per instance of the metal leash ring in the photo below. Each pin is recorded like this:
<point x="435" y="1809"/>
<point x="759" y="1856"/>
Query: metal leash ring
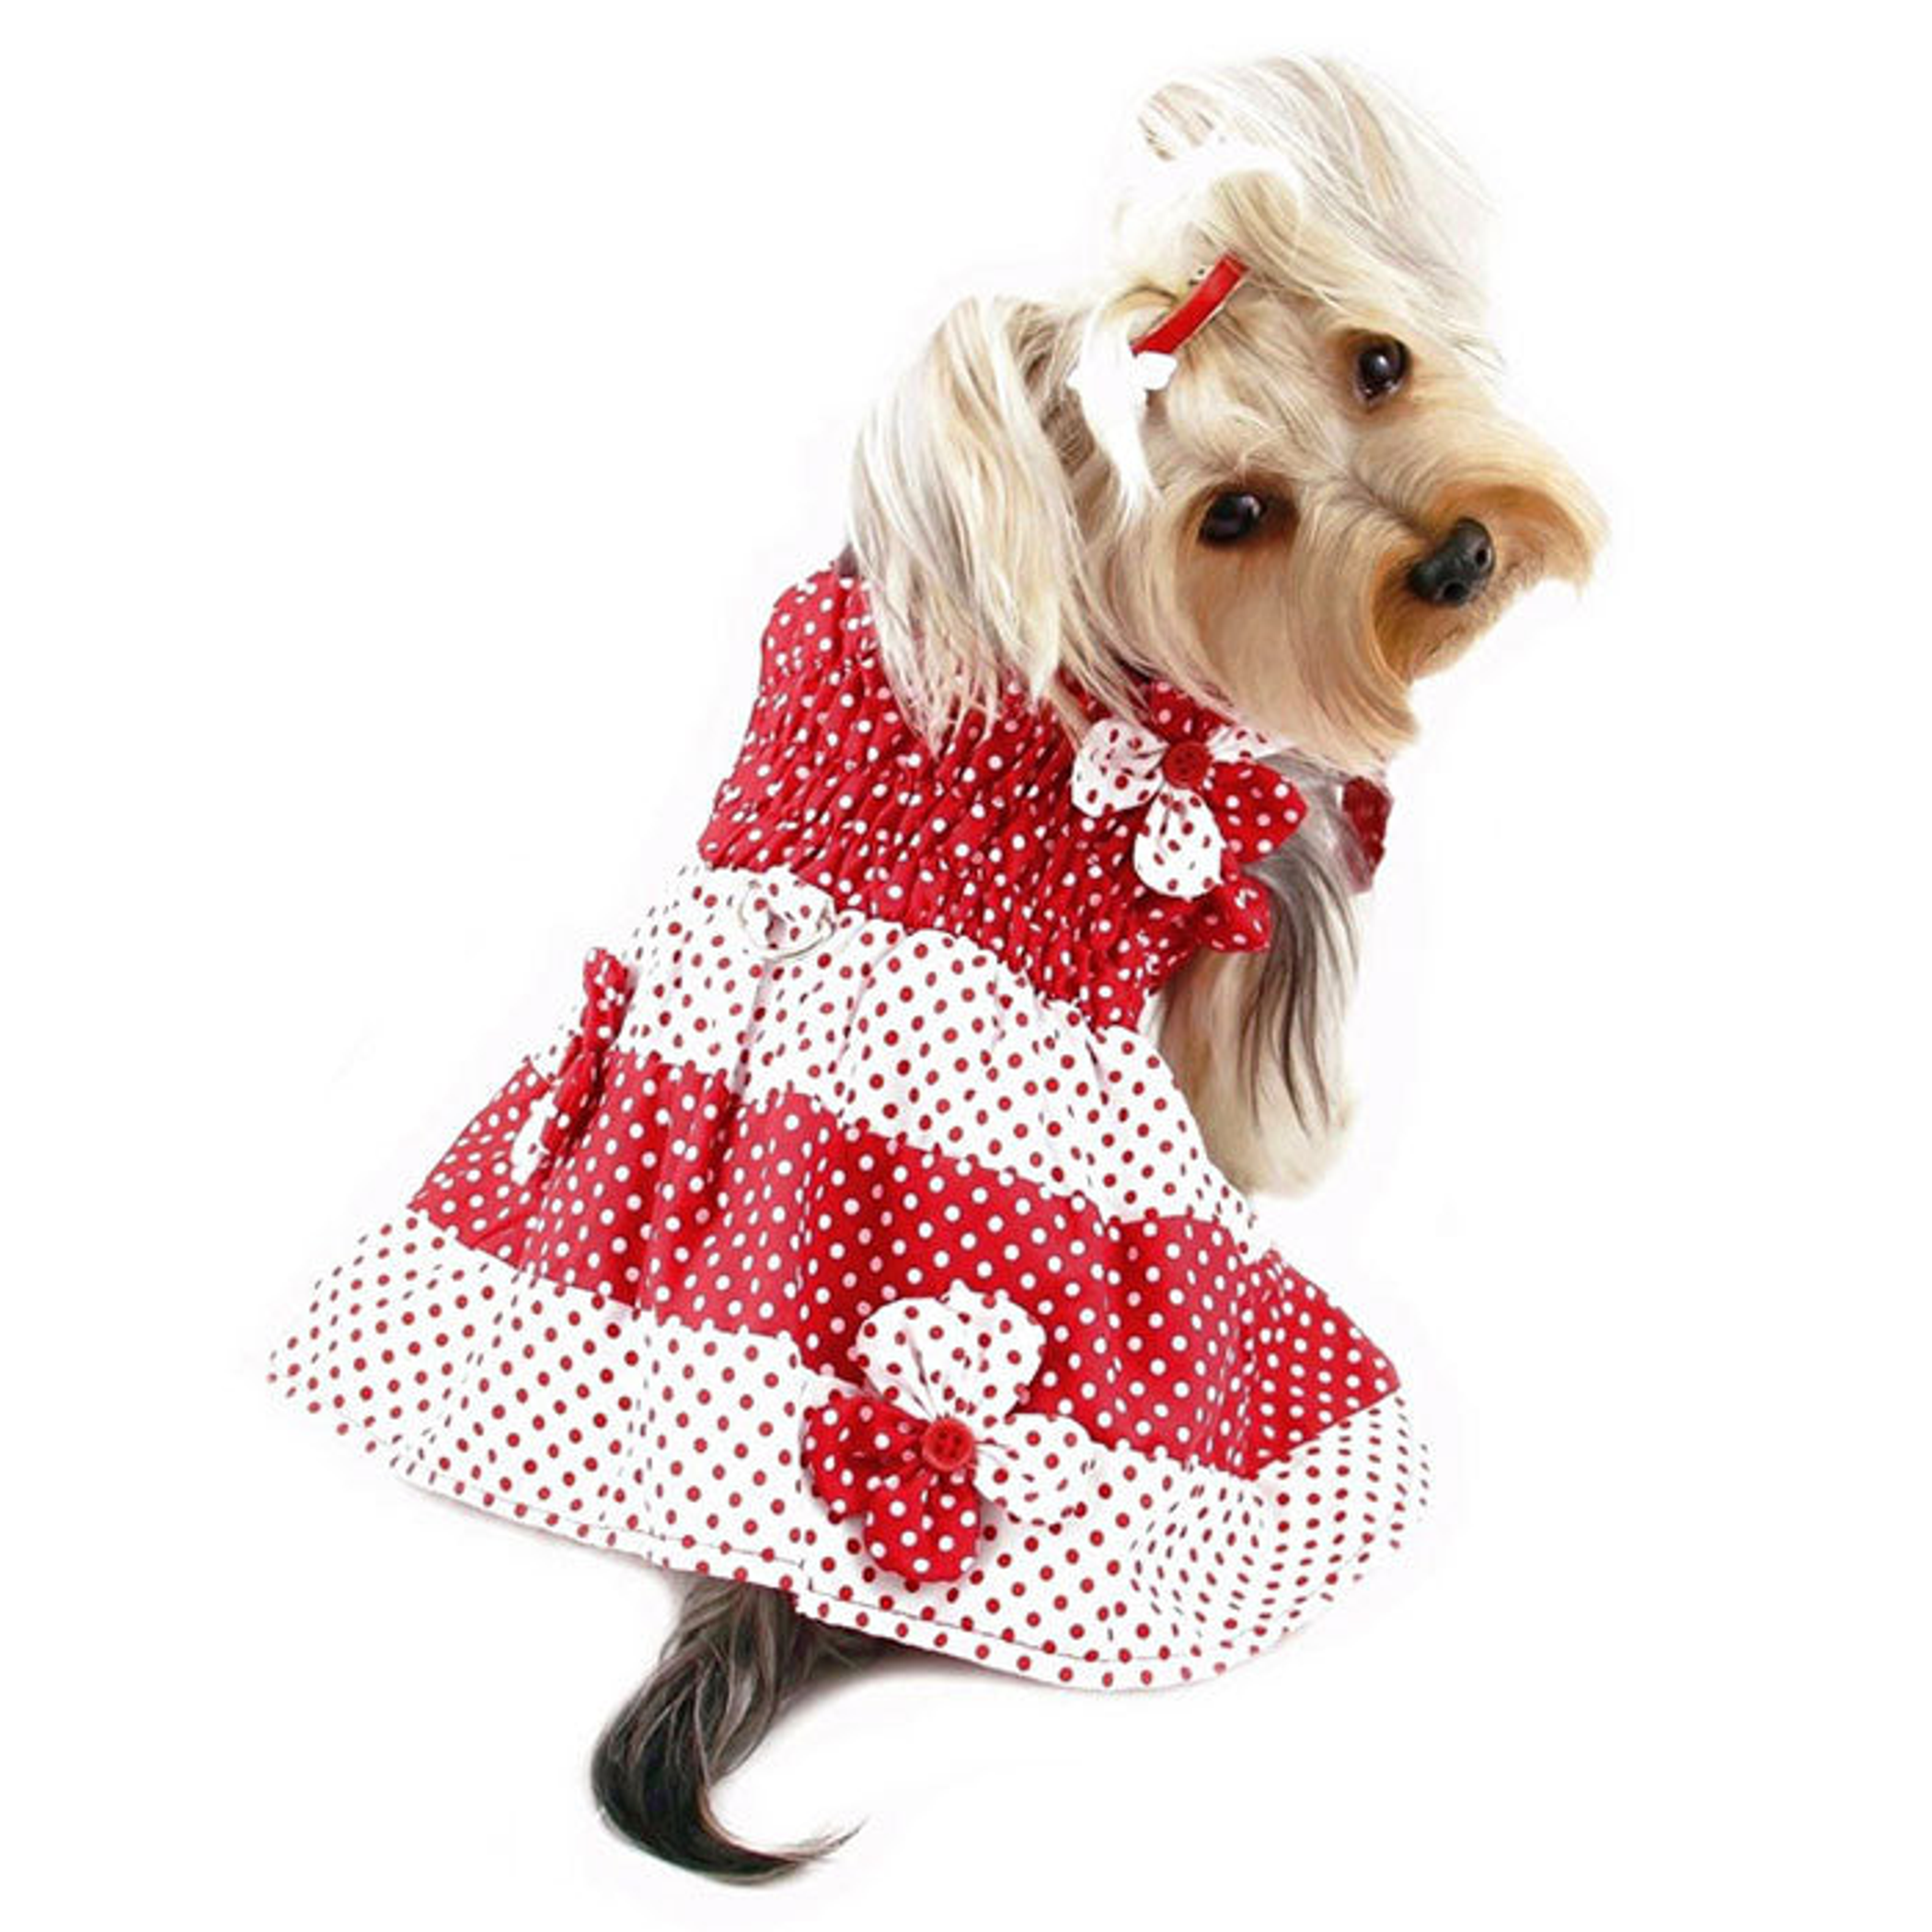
<point x="825" y="932"/>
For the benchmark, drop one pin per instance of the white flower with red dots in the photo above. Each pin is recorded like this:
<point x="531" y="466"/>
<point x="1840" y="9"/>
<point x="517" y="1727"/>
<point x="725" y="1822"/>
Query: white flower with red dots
<point x="1204" y="795"/>
<point x="939" y="1430"/>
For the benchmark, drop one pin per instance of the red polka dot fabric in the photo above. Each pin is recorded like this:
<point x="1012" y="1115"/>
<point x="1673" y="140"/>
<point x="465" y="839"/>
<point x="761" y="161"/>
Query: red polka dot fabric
<point x="850" y="1237"/>
<point x="1092" y="887"/>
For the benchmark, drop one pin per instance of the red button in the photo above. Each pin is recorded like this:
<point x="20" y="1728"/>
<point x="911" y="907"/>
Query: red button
<point x="1187" y="763"/>
<point x="947" y="1445"/>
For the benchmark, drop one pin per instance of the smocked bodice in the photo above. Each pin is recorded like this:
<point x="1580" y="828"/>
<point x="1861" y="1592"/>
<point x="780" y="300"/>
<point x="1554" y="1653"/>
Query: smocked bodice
<point x="981" y="834"/>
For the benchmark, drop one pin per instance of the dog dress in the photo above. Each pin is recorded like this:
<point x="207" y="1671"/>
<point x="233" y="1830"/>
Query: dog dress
<point x="852" y="1237"/>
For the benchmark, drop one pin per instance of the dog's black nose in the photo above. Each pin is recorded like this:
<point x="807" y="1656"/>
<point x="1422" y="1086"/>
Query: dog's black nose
<point x="1458" y="568"/>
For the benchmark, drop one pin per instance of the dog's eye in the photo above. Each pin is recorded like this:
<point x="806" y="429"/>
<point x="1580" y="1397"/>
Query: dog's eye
<point x="1232" y="517"/>
<point x="1381" y="367"/>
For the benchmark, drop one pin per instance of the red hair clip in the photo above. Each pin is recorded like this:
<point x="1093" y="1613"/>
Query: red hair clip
<point x="1205" y="301"/>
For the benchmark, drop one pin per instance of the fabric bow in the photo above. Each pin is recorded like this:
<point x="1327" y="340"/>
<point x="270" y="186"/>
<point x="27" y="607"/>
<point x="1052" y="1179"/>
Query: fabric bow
<point x="938" y="1430"/>
<point x="556" y="1120"/>
<point x="1366" y="804"/>
<point x="1208" y="806"/>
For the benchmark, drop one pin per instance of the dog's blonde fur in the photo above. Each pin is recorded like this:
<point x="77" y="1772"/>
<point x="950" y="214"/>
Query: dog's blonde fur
<point x="1021" y="512"/>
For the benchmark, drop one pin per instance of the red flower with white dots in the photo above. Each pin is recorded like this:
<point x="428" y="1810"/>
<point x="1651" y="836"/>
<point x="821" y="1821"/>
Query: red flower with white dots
<point x="1208" y="806"/>
<point x="939" y="1430"/>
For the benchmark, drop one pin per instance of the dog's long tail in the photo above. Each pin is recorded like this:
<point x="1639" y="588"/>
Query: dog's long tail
<point x="739" y="1654"/>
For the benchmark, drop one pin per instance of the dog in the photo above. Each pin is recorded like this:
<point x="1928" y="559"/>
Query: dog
<point x="1328" y="506"/>
<point x="850" y="1250"/>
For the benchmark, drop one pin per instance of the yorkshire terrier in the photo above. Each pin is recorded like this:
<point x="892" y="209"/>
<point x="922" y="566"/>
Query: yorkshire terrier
<point x="854" y="1250"/>
<point x="1330" y="505"/>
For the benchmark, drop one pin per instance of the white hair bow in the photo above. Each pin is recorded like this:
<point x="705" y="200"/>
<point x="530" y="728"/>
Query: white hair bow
<point x="1114" y="375"/>
<point x="1113" y="381"/>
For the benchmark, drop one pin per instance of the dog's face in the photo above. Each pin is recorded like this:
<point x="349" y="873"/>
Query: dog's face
<point x="1345" y="509"/>
<point x="1323" y="503"/>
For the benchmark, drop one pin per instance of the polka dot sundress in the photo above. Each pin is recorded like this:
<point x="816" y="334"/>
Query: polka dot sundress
<point x="851" y="1237"/>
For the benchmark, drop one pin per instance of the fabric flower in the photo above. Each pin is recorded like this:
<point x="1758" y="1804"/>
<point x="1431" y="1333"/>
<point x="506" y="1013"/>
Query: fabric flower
<point x="1207" y="804"/>
<point x="561" y="1115"/>
<point x="938" y="1430"/>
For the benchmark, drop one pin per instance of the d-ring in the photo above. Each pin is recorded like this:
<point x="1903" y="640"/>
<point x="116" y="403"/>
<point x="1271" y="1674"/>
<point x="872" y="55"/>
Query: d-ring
<point x="793" y="950"/>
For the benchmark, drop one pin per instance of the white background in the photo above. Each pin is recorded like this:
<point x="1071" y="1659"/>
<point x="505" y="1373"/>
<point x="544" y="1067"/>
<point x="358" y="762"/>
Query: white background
<point x="409" y="413"/>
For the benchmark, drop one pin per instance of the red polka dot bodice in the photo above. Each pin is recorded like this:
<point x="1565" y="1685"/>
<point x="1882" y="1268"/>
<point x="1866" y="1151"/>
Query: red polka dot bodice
<point x="980" y="835"/>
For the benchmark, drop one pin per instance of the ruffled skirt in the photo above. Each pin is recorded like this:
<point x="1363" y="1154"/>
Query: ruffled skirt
<point x="676" y="1247"/>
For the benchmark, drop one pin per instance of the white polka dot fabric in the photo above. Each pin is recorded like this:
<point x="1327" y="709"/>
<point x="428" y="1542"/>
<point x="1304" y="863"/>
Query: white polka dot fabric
<point x="875" y="1257"/>
<point x="681" y="1443"/>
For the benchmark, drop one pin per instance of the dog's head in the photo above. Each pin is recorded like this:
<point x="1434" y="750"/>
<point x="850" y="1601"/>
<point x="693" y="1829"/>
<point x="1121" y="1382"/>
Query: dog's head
<point x="1324" y="503"/>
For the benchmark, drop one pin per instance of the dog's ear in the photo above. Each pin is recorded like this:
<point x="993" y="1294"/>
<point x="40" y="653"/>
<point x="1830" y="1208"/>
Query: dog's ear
<point x="964" y="522"/>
